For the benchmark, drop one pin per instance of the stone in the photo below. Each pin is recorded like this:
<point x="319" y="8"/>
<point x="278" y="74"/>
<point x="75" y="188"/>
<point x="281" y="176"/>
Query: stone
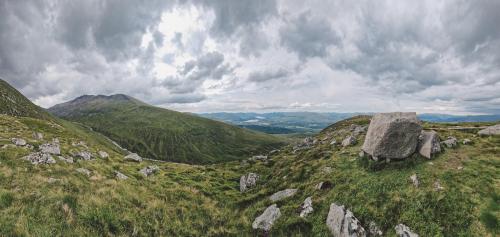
<point x="404" y="231"/>
<point x="120" y="175"/>
<point x="361" y="154"/>
<point x="324" y="185"/>
<point x="266" y="220"/>
<point x="414" y="180"/>
<point x="247" y="181"/>
<point x="37" y="136"/>
<point x="274" y="152"/>
<point x="306" y="207"/>
<point x="392" y="135"/>
<point x="374" y="230"/>
<point x="437" y="186"/>
<point x="84" y="171"/>
<point x="282" y="194"/>
<point x="84" y="155"/>
<point x="333" y="142"/>
<point x="428" y="144"/>
<point x="259" y="157"/>
<point x="50" y="148"/>
<point x="18" y="141"/>
<point x="451" y="142"/>
<point x="133" y="157"/>
<point x="40" y="158"/>
<point x="67" y="160"/>
<point x="342" y="223"/>
<point x="103" y="154"/>
<point x="358" y="130"/>
<point x="466" y="141"/>
<point x="51" y="180"/>
<point x="349" y="141"/>
<point x="491" y="130"/>
<point x="150" y="170"/>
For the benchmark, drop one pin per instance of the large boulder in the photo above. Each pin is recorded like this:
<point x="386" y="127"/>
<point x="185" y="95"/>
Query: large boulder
<point x="429" y="144"/>
<point x="50" y="148"/>
<point x="283" y="194"/>
<point x="392" y="135"/>
<point x="267" y="219"/>
<point x="491" y="130"/>
<point x="248" y="181"/>
<point x="342" y="223"/>
<point x="40" y="158"/>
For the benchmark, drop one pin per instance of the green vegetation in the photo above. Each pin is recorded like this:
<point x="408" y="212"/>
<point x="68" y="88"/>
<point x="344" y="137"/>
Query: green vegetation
<point x="15" y="104"/>
<point x="163" y="134"/>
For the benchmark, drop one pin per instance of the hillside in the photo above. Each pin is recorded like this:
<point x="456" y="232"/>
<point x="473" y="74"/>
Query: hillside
<point x="163" y="134"/>
<point x="15" y="104"/>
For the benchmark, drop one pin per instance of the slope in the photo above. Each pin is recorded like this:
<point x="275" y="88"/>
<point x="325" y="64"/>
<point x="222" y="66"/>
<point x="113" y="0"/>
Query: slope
<point x="163" y="134"/>
<point x="15" y="104"/>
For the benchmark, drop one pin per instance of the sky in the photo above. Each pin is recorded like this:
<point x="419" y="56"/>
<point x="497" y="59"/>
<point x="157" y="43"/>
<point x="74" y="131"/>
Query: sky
<point x="427" y="56"/>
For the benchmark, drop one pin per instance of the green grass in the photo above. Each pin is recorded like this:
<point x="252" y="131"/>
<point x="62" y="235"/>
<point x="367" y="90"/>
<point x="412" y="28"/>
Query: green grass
<point x="15" y="104"/>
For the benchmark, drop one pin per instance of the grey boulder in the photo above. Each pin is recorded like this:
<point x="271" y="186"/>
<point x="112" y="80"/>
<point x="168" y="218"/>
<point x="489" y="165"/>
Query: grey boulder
<point x="349" y="141"/>
<point x="84" y="155"/>
<point x="133" y="157"/>
<point x="103" y="154"/>
<point x="451" y="142"/>
<point x="150" y="170"/>
<point x="342" y="223"/>
<point x="40" y="158"/>
<point x="306" y="208"/>
<point x="429" y="144"/>
<point x="18" y="141"/>
<point x="120" y="175"/>
<point x="392" y="135"/>
<point x="282" y="194"/>
<point x="491" y="130"/>
<point x="404" y="231"/>
<point x="50" y="148"/>
<point x="266" y="220"/>
<point x="248" y="181"/>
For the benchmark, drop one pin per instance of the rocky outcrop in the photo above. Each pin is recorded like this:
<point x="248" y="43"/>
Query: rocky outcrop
<point x="342" y="223"/>
<point x="349" y="141"/>
<point x="266" y="220"/>
<point x="133" y="157"/>
<point x="50" y="148"/>
<point x="392" y="135"/>
<point x="306" y="208"/>
<point x="451" y="142"/>
<point x="18" y="141"/>
<point x="491" y="130"/>
<point x="40" y="158"/>
<point x="282" y="194"/>
<point x="84" y="155"/>
<point x="248" y="181"/>
<point x="404" y="231"/>
<point x="429" y="144"/>
<point x="103" y="154"/>
<point x="150" y="170"/>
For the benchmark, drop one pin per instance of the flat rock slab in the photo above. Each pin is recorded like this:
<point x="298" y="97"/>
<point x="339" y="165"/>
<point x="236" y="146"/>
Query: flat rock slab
<point x="266" y="220"/>
<point x="491" y="130"/>
<point x="283" y="194"/>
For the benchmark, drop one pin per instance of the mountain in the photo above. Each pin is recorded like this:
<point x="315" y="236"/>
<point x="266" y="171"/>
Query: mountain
<point x="447" y="118"/>
<point x="13" y="103"/>
<point x="164" y="134"/>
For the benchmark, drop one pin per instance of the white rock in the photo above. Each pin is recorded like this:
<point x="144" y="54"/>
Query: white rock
<point x="103" y="154"/>
<point x="150" y="170"/>
<point x="282" y="194"/>
<point x="428" y="144"/>
<point x="50" y="148"/>
<point x="247" y="181"/>
<point x="84" y="171"/>
<point x="133" y="157"/>
<point x="404" y="231"/>
<point x="306" y="207"/>
<point x="37" y="136"/>
<point x="451" y="142"/>
<point x="39" y="158"/>
<point x="414" y="180"/>
<point x="84" y="155"/>
<point x="266" y="220"/>
<point x="349" y="141"/>
<point x="342" y="223"/>
<point x="120" y="175"/>
<point x="18" y="141"/>
<point x="491" y="130"/>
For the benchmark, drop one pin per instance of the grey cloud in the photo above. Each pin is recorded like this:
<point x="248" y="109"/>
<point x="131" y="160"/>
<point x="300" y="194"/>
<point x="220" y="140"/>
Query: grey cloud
<point x="177" y="40"/>
<point x="308" y="36"/>
<point x="262" y="76"/>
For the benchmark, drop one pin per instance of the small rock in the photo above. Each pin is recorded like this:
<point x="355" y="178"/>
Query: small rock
<point x="324" y="185"/>
<point x="84" y="171"/>
<point x="374" y="230"/>
<point x="266" y="220"/>
<point x="491" y="130"/>
<point x="248" y="181"/>
<point x="437" y="186"/>
<point x="342" y="223"/>
<point x="349" y="141"/>
<point x="40" y="158"/>
<point x="18" y="141"/>
<point x="451" y="142"/>
<point x="121" y="176"/>
<point x="52" y="180"/>
<point x="460" y="168"/>
<point x="37" y="136"/>
<point x="259" y="157"/>
<point x="466" y="141"/>
<point x="404" y="231"/>
<point x="50" y="148"/>
<point x="361" y="154"/>
<point x="103" y="154"/>
<point x="428" y="144"/>
<point x="84" y="155"/>
<point x="333" y="142"/>
<point x="282" y="194"/>
<point x="147" y="171"/>
<point x="133" y="157"/>
<point x="67" y="160"/>
<point x="358" y="130"/>
<point x="414" y="180"/>
<point x="306" y="207"/>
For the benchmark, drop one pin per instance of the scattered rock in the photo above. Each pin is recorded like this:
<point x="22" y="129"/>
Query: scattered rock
<point x="333" y="142"/>
<point x="428" y="144"/>
<point x="259" y="157"/>
<point x="103" y="154"/>
<point x="451" y="142"/>
<point x="37" y="136"/>
<point x="67" y="160"/>
<point x="358" y="130"/>
<point x="392" y="135"/>
<point x="50" y="148"/>
<point x="84" y="171"/>
<point x="374" y="230"/>
<point x="18" y="141"/>
<point x="404" y="231"/>
<point x="306" y="207"/>
<point x="147" y="171"/>
<point x="267" y="219"/>
<point x="349" y="141"/>
<point x="414" y="180"/>
<point x="324" y="185"/>
<point x="84" y="155"/>
<point x="121" y="176"/>
<point x="282" y="194"/>
<point x="248" y="181"/>
<point x="437" y="186"/>
<point x="40" y="158"/>
<point x="133" y="157"/>
<point x="467" y="141"/>
<point x="491" y="130"/>
<point x="342" y="223"/>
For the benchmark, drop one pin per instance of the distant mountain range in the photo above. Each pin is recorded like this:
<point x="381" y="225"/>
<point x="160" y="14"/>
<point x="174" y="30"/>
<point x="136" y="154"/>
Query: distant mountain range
<point x="313" y="122"/>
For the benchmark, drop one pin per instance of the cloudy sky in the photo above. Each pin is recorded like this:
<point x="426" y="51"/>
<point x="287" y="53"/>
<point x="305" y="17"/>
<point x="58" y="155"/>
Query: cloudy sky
<point x="258" y="55"/>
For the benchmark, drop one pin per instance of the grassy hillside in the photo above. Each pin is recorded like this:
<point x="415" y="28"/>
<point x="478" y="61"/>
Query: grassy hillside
<point x="163" y="134"/>
<point x="194" y="200"/>
<point x="15" y="104"/>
